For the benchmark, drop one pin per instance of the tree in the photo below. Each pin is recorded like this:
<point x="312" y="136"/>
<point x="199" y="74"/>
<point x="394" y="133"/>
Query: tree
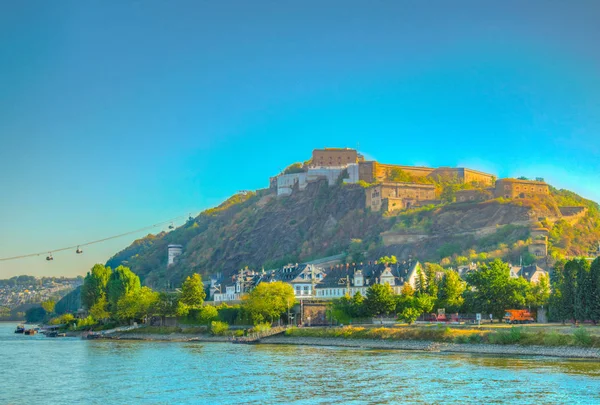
<point x="356" y="252"/>
<point x="35" y="315"/>
<point x="409" y="315"/>
<point x="94" y="285"/>
<point x="380" y="300"/>
<point x="137" y="304"/>
<point x="539" y="293"/>
<point x="192" y="291"/>
<point x="207" y="314"/>
<point x="269" y="301"/>
<point x="568" y="289"/>
<point x="99" y="311"/>
<point x="121" y="283"/>
<point x="388" y="260"/>
<point x="421" y="281"/>
<point x="583" y="293"/>
<point x="595" y="288"/>
<point x="450" y="294"/>
<point x="494" y="291"/>
<point x="49" y="306"/>
<point x="166" y="306"/>
<point x="424" y="303"/>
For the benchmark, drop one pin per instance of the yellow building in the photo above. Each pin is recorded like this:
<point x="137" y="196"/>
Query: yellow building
<point x="516" y="188"/>
<point x="334" y="157"/>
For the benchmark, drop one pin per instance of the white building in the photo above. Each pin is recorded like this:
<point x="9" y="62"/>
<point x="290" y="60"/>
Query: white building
<point x="287" y="182"/>
<point x="173" y="251"/>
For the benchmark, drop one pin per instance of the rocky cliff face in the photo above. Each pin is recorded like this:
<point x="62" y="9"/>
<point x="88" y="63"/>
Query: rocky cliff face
<point x="261" y="230"/>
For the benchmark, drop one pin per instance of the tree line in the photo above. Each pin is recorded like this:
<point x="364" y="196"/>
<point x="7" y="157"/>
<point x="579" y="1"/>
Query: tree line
<point x="489" y="290"/>
<point x="113" y="297"/>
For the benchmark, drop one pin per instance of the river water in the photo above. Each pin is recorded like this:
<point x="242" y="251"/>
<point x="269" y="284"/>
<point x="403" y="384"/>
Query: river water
<point x="36" y="369"/>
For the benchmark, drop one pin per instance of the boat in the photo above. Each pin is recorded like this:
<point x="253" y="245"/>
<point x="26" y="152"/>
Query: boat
<point x="52" y="333"/>
<point x="20" y="329"/>
<point x="30" y="332"/>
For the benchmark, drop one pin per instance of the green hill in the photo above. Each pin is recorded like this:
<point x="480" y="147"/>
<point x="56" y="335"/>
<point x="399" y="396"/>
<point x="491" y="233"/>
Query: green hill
<point x="260" y="230"/>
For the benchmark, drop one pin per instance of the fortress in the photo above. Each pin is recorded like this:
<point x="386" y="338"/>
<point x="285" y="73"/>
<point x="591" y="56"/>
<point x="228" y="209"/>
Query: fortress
<point x="391" y="187"/>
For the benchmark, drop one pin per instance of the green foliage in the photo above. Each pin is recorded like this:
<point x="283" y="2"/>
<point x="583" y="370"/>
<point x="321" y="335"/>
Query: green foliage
<point x="268" y="301"/>
<point x="99" y="310"/>
<point x="137" y="304"/>
<point x="388" y="260"/>
<point x="494" y="291"/>
<point x="582" y="337"/>
<point x="262" y="327"/>
<point x="49" y="306"/>
<point x="380" y="300"/>
<point x="121" y="283"/>
<point x="166" y="305"/>
<point x="35" y="315"/>
<point x="399" y="175"/>
<point x="192" y="291"/>
<point x="230" y="202"/>
<point x="450" y="294"/>
<point x="511" y="337"/>
<point x="294" y="168"/>
<point x="94" y="285"/>
<point x="356" y="251"/>
<point x="65" y="319"/>
<point x="410" y="315"/>
<point x="218" y="328"/>
<point x="207" y="314"/>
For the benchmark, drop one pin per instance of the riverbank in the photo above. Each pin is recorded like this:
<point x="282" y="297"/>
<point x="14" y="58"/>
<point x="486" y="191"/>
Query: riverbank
<point x="440" y="347"/>
<point x="172" y="337"/>
<point x="380" y="344"/>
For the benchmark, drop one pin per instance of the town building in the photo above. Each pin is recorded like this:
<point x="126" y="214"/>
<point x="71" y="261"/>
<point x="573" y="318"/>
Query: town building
<point x="352" y="278"/>
<point x="302" y="277"/>
<point x="517" y="188"/>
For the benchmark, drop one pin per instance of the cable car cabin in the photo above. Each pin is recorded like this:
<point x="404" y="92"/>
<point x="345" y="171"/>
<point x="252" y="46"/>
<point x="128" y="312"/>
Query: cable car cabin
<point x="49" y="257"/>
<point x="79" y="251"/>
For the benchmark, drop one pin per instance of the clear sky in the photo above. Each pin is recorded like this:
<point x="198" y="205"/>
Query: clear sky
<point x="118" y="114"/>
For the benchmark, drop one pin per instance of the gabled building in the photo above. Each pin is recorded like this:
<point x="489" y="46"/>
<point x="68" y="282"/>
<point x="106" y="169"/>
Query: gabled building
<point x="352" y="278"/>
<point x="302" y="277"/>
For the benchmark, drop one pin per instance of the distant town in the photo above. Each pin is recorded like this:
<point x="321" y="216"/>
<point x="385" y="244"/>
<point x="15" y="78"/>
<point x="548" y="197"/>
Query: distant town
<point x="19" y="293"/>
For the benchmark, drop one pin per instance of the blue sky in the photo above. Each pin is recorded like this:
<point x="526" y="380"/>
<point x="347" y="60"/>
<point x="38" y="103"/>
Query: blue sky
<point x="117" y="115"/>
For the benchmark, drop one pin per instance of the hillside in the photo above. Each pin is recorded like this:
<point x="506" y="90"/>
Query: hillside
<point x="262" y="230"/>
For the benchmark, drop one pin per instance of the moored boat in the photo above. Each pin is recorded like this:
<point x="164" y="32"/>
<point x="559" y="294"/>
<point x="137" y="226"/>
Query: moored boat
<point x="30" y="332"/>
<point x="20" y="329"/>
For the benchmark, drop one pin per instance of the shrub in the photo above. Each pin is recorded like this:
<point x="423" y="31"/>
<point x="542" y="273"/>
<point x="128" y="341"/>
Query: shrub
<point x="218" y="328"/>
<point x="207" y="314"/>
<point x="506" y="338"/>
<point x="556" y="339"/>
<point x="262" y="327"/>
<point x="582" y="337"/>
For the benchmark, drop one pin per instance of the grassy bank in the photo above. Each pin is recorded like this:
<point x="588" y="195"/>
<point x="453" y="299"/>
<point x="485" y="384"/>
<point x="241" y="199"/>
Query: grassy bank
<point x="513" y="336"/>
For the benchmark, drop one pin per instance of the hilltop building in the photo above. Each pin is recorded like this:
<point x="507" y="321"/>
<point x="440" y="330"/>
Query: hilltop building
<point x="372" y="171"/>
<point x="172" y="252"/>
<point x="335" y="157"/>
<point x="517" y="188"/>
<point x="392" y="196"/>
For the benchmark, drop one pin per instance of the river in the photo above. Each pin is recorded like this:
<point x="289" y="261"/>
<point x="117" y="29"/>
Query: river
<point x="36" y="369"/>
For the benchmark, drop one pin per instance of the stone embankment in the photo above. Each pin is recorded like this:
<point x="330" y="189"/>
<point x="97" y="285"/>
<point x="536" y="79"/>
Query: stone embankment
<point x="513" y="350"/>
